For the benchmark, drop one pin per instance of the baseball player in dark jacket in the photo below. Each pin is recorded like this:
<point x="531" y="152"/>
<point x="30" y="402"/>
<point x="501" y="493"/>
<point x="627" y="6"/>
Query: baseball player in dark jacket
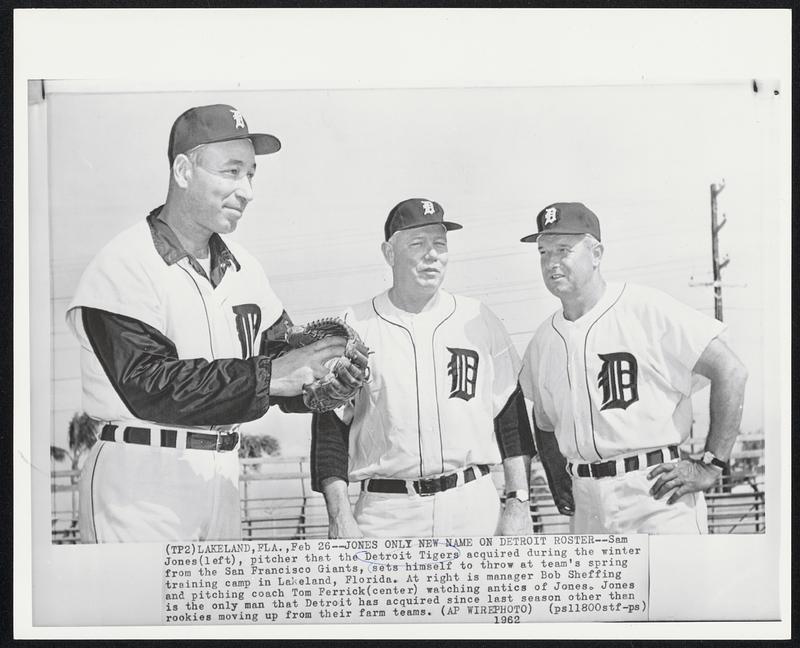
<point x="173" y="323"/>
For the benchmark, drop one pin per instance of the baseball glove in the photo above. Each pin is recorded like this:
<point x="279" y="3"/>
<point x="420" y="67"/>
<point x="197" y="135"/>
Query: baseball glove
<point x="346" y="374"/>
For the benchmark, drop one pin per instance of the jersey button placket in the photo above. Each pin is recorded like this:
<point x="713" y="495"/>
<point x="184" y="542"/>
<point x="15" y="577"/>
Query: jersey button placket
<point x="577" y="371"/>
<point x="201" y="287"/>
<point x="213" y="301"/>
<point x="431" y="457"/>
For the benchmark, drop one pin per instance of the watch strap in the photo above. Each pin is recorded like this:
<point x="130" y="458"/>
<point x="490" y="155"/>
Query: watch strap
<point x="521" y="495"/>
<point x="709" y="458"/>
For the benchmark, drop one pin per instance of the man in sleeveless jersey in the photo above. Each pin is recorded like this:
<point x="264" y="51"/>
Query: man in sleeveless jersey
<point x="610" y="376"/>
<point x="173" y="324"/>
<point x="441" y="407"/>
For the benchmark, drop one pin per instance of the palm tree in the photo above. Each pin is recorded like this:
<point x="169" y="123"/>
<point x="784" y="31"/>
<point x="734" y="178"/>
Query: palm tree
<point x="81" y="435"/>
<point x="252" y="446"/>
<point x="258" y="445"/>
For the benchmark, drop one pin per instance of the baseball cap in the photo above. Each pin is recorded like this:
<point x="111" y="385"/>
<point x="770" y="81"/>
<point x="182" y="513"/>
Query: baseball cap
<point x="565" y="218"/>
<point x="216" y="123"/>
<point x="416" y="212"/>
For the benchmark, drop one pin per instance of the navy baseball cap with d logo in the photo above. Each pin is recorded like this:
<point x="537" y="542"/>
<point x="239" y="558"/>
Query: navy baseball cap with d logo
<point x="565" y="218"/>
<point x="216" y="123"/>
<point x="416" y="212"/>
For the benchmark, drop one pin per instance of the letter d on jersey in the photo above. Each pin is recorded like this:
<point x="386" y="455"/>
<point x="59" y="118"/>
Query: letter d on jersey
<point x="248" y="321"/>
<point x="463" y="371"/>
<point x="617" y="379"/>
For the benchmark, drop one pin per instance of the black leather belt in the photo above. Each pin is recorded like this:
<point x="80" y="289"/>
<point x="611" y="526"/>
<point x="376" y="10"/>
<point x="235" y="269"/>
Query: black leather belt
<point x="424" y="486"/>
<point x="217" y="441"/>
<point x="629" y="464"/>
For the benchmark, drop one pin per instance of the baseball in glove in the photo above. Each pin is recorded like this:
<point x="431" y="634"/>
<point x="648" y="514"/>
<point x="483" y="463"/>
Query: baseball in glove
<point x="346" y="374"/>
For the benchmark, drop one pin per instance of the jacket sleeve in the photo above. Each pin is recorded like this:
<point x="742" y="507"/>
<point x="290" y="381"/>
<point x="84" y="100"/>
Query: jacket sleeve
<point x="512" y="429"/>
<point x="156" y="385"/>
<point x="330" y="439"/>
<point x="273" y="345"/>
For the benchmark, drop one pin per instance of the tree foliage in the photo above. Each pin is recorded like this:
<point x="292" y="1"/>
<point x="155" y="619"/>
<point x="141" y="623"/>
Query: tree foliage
<point x="258" y="445"/>
<point x="81" y="436"/>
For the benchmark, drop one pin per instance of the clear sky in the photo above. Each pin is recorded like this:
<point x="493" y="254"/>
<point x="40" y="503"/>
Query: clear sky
<point x="641" y="157"/>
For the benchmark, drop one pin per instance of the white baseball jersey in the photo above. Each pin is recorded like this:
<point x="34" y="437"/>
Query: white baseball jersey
<point x="438" y="379"/>
<point x="129" y="277"/>
<point x="149" y="493"/>
<point x="618" y="379"/>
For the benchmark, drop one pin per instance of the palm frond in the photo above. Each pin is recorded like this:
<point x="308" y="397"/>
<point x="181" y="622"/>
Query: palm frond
<point x="82" y="433"/>
<point x="258" y="445"/>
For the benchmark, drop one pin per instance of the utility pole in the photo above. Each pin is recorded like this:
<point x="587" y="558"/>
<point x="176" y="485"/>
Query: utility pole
<point x="717" y="265"/>
<point x="716" y="268"/>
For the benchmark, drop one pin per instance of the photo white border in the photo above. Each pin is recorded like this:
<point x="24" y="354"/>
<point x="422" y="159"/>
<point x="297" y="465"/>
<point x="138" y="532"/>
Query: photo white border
<point x="372" y="49"/>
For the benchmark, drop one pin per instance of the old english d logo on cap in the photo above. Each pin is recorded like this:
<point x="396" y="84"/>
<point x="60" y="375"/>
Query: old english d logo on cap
<point x="238" y="119"/>
<point x="549" y="216"/>
<point x="416" y="212"/>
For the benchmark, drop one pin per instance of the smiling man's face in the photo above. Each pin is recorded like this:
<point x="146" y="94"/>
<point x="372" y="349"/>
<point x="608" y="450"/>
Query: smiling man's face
<point x="221" y="185"/>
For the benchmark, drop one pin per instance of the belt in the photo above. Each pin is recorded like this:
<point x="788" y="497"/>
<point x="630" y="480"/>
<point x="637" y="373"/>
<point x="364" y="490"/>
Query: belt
<point x="168" y="438"/>
<point x="425" y="487"/>
<point x="623" y="464"/>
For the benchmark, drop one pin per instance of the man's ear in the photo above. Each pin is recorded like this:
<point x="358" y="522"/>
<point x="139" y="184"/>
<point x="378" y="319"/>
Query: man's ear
<point x="182" y="170"/>
<point x="388" y="253"/>
<point x="597" y="254"/>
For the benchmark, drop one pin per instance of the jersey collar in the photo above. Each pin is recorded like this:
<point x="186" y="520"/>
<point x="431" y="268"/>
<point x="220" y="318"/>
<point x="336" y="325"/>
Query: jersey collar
<point x="611" y="294"/>
<point x="170" y="249"/>
<point x="437" y="310"/>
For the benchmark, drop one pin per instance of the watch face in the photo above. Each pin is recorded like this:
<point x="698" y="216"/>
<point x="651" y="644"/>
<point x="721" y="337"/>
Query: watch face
<point x="710" y="460"/>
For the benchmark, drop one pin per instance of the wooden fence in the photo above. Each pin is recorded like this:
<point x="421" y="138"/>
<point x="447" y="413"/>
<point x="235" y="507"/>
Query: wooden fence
<point x="277" y="501"/>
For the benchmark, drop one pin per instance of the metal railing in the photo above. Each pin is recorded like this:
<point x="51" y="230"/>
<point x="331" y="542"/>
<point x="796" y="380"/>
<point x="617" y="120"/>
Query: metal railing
<point x="277" y="502"/>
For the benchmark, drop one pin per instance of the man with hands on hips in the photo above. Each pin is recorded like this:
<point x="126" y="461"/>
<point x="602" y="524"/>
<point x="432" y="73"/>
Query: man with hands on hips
<point x="610" y="376"/>
<point x="442" y="405"/>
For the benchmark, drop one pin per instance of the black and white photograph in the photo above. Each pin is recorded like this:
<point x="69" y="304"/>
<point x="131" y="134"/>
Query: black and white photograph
<point x="463" y="352"/>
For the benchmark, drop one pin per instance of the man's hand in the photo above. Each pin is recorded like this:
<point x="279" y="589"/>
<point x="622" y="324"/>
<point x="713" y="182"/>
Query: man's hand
<point x="555" y="468"/>
<point x="299" y="367"/>
<point x="560" y="483"/>
<point x="516" y="518"/>
<point x="341" y="522"/>
<point x="685" y="476"/>
<point x="343" y="525"/>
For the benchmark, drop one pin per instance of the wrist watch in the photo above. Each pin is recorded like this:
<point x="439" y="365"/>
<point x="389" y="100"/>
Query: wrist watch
<point x="521" y="495"/>
<point x="710" y="459"/>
